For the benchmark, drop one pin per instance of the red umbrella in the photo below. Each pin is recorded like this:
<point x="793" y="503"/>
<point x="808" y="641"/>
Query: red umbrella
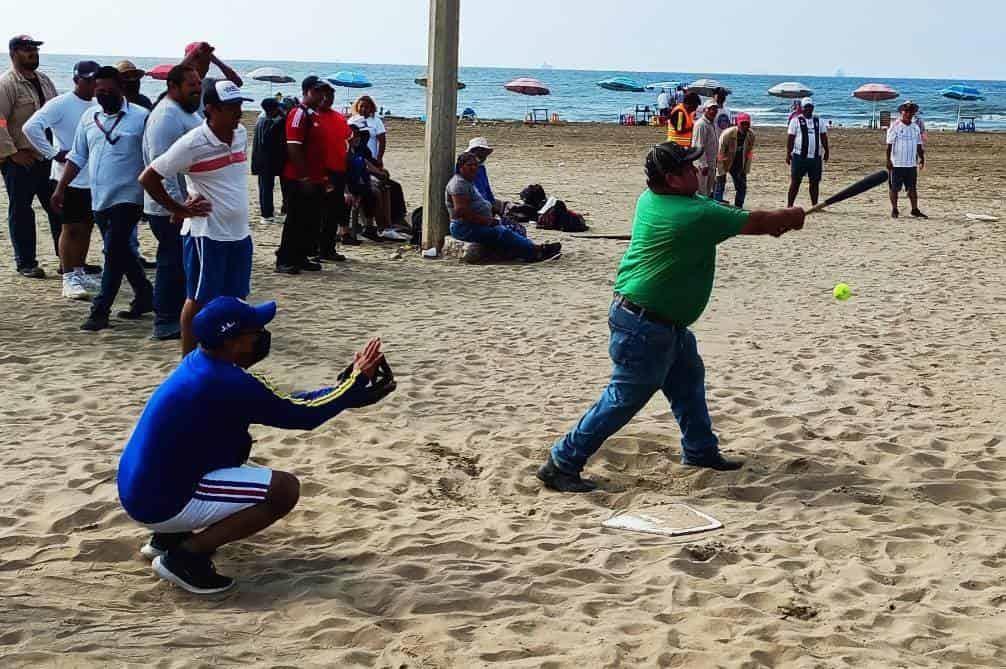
<point x="527" y="86"/>
<point x="875" y="93"/>
<point x="160" y="72"/>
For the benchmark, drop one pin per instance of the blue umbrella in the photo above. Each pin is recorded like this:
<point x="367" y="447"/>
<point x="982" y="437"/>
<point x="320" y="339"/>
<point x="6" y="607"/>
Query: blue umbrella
<point x="621" y="83"/>
<point x="962" y="93"/>
<point x="349" y="79"/>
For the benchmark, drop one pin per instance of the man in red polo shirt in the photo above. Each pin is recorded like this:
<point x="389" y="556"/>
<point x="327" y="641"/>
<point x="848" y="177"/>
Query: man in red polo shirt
<point x="335" y="134"/>
<point x="304" y="175"/>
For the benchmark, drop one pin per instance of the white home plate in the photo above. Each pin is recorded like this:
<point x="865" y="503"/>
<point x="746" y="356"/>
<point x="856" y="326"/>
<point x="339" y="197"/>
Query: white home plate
<point x="985" y="218"/>
<point x="672" y="520"/>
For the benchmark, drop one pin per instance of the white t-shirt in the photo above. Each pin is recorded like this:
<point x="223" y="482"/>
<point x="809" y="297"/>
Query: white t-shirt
<point x="904" y="141"/>
<point x="376" y="127"/>
<point x="61" y="115"/>
<point x="218" y="172"/>
<point x="664" y="100"/>
<point x="794" y="130"/>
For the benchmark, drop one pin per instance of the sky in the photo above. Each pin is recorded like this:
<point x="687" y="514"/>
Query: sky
<point x="917" y="38"/>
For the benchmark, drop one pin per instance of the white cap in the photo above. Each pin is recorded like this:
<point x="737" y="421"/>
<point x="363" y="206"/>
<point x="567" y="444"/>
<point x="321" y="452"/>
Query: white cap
<point x="479" y="143"/>
<point x="807" y="102"/>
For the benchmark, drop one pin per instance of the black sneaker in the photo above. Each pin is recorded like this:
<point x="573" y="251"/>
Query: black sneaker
<point x="917" y="213"/>
<point x="287" y="269"/>
<point x="136" y="310"/>
<point x="332" y="256"/>
<point x="191" y="571"/>
<point x="95" y="322"/>
<point x="719" y="463"/>
<point x="556" y="479"/>
<point x="162" y="542"/>
<point x="349" y="240"/>
<point x="550" y="251"/>
<point x="309" y="265"/>
<point x="32" y="272"/>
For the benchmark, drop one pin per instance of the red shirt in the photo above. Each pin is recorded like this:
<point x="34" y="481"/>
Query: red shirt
<point x="334" y="133"/>
<point x="302" y="128"/>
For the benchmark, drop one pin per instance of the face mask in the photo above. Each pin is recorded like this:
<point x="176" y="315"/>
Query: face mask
<point x="131" y="87"/>
<point x="110" y="103"/>
<point x="260" y="351"/>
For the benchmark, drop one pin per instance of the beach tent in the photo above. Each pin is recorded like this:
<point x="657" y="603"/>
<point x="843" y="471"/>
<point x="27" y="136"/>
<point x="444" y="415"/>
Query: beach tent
<point x="160" y="72"/>
<point x="962" y="93"/>
<point x="663" y="86"/>
<point x="790" y="90"/>
<point x="706" y="87"/>
<point x="424" y="81"/>
<point x="875" y="93"/>
<point x="349" y="79"/>
<point x="527" y="86"/>
<point x="621" y="84"/>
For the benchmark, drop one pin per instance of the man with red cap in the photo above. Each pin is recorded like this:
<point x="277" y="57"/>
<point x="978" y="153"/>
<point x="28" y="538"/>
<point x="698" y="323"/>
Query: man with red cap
<point x="200" y="55"/>
<point x="735" y="156"/>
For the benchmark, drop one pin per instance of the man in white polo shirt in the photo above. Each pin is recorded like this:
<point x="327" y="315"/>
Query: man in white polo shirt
<point x="218" y="245"/>
<point x="905" y="155"/>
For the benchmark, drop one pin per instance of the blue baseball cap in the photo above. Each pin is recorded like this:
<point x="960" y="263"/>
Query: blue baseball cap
<point x="226" y="317"/>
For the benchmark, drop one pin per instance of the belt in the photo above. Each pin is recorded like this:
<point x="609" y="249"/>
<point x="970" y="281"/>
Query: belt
<point x="630" y="306"/>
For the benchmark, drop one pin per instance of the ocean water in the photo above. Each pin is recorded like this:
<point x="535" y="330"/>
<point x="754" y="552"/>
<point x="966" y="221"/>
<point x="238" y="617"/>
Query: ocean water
<point x="575" y="95"/>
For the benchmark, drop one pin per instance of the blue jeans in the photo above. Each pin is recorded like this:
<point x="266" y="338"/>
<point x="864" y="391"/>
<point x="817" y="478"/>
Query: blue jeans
<point x="496" y="237"/>
<point x="117" y="224"/>
<point x="23" y="185"/>
<point x="647" y="357"/>
<point x="169" y="279"/>
<point x="740" y="187"/>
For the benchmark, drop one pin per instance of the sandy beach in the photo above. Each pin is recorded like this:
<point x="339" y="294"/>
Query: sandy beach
<point x="866" y="530"/>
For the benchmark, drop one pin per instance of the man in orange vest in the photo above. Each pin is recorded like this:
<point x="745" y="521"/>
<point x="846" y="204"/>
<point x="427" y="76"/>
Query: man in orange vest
<point x="682" y="120"/>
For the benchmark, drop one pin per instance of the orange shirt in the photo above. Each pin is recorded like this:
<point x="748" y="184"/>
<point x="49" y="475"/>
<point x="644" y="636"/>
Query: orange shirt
<point x="334" y="133"/>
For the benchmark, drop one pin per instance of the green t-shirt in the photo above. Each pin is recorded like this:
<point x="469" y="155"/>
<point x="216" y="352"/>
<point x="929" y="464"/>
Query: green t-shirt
<point x="671" y="260"/>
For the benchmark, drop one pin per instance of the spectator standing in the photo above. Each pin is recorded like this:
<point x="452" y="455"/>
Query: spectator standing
<point x="705" y="138"/>
<point x="682" y="120"/>
<point x="723" y="118"/>
<point x="131" y="78"/>
<point x="806" y="151"/>
<point x="664" y="103"/>
<point x="735" y="156"/>
<point x="335" y="134"/>
<point x="905" y="156"/>
<point x="269" y="154"/>
<point x="23" y="91"/>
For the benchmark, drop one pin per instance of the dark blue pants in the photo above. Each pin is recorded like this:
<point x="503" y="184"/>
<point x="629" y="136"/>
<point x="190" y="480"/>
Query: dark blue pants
<point x="117" y="224"/>
<point x="495" y="237"/>
<point x="740" y="187"/>
<point x="266" y="183"/>
<point x="23" y="185"/>
<point x="169" y="281"/>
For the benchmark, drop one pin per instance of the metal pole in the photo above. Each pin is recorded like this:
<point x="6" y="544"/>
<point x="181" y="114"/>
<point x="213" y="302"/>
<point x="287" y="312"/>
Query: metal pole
<point x="441" y="117"/>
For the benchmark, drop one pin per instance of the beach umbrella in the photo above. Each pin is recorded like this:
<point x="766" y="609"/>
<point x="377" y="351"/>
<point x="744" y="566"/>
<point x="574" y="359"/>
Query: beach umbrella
<point x="349" y="79"/>
<point x="962" y="93"/>
<point x="706" y="87"/>
<point x="875" y="93"/>
<point x="662" y="86"/>
<point x="273" y="75"/>
<point x="424" y="81"/>
<point x="621" y="84"/>
<point x="160" y="72"/>
<point x="790" y="90"/>
<point x="527" y="86"/>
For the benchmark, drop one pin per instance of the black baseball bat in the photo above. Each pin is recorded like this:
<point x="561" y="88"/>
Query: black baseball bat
<point x="858" y="188"/>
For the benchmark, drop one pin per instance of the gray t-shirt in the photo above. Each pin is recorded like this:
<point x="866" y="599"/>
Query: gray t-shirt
<point x="165" y="125"/>
<point x="458" y="185"/>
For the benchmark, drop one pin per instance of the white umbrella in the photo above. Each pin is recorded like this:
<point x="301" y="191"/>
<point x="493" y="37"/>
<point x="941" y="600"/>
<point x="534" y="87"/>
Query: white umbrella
<point x="706" y="87"/>
<point x="791" y="90"/>
<point x="273" y="75"/>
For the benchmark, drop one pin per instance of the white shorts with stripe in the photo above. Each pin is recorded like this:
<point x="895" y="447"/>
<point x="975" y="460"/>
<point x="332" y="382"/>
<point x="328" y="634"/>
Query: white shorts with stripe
<point x="220" y="494"/>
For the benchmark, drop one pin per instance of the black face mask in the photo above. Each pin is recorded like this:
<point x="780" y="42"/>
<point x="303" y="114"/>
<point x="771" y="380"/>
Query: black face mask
<point x="131" y="87"/>
<point x="111" y="104"/>
<point x="260" y="351"/>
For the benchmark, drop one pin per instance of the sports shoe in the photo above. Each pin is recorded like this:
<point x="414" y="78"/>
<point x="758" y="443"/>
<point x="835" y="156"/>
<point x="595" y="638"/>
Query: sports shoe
<point x="371" y="233"/>
<point x="95" y="322"/>
<point x="191" y="571"/>
<point x="550" y="251"/>
<point x="556" y="479"/>
<point x="718" y="462"/>
<point x="287" y="269"/>
<point x="74" y="286"/>
<point x="332" y="256"/>
<point x="91" y="282"/>
<point x="162" y="542"/>
<point x="268" y="219"/>
<point x="309" y="265"/>
<point x="32" y="272"/>
<point x="349" y="240"/>
<point x="393" y="235"/>
<point x="917" y="213"/>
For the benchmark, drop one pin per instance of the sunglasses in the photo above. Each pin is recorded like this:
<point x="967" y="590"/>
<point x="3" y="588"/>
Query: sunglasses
<point x="108" y="133"/>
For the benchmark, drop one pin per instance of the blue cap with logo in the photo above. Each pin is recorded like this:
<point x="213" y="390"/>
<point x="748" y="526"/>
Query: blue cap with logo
<point x="226" y="317"/>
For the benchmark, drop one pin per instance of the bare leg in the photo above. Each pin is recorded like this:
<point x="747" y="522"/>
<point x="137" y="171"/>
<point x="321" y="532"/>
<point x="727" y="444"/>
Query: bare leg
<point x="189" y="311"/>
<point x="894" y="200"/>
<point x="913" y="197"/>
<point x="794" y="189"/>
<point x="282" y="496"/>
<point x="815" y="189"/>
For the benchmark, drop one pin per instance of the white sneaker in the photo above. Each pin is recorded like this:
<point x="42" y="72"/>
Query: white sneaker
<point x="268" y="219"/>
<point x="74" y="288"/>
<point x="91" y="282"/>
<point x="393" y="235"/>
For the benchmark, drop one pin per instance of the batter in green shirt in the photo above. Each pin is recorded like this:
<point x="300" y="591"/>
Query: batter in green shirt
<point x="671" y="261"/>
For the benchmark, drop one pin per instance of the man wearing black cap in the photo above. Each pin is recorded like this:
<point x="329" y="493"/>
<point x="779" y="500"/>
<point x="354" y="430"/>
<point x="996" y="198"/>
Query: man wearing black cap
<point x="217" y="238"/>
<point x="662" y="287"/>
<point x="185" y="467"/>
<point x="58" y="118"/>
<point x="304" y="175"/>
<point x="23" y="91"/>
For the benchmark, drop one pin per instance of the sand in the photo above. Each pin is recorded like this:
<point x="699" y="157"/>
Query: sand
<point x="865" y="531"/>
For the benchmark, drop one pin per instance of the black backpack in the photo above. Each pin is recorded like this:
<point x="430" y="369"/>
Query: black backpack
<point x="534" y="196"/>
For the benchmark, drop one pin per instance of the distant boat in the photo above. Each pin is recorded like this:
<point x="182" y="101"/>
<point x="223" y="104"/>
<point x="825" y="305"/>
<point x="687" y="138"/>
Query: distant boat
<point x="839" y="72"/>
<point x="547" y="66"/>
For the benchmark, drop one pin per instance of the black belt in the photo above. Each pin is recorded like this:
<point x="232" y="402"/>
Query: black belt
<point x="625" y="303"/>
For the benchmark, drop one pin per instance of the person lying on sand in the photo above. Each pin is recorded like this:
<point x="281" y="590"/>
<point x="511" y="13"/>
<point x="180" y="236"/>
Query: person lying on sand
<point x="184" y="468"/>
<point x="662" y="287"/>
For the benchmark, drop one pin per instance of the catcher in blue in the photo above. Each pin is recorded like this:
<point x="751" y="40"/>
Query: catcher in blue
<point x="183" y="474"/>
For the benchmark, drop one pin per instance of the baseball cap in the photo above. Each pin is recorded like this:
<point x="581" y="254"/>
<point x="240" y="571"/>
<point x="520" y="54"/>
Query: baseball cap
<point x="86" y="69"/>
<point x="807" y="102"/>
<point x="709" y="104"/>
<point x="226" y="317"/>
<point x="908" y="104"/>
<point x="22" y="40"/>
<point x="269" y="104"/>
<point x="668" y="157"/>
<point x="479" y="143"/>
<point x="192" y="46"/>
<point x="128" y="69"/>
<point x="313" y="81"/>
<point x="221" y="92"/>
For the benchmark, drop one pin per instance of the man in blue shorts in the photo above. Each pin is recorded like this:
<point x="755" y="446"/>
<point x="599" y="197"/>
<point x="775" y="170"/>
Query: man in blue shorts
<point x="217" y="251"/>
<point x="184" y="468"/>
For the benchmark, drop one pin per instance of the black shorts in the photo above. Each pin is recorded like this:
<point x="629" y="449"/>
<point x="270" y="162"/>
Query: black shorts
<point x="904" y="177"/>
<point x="77" y="205"/>
<point x="812" y="168"/>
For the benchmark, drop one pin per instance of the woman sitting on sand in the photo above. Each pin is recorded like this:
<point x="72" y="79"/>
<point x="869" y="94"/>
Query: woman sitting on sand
<point x="472" y="217"/>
